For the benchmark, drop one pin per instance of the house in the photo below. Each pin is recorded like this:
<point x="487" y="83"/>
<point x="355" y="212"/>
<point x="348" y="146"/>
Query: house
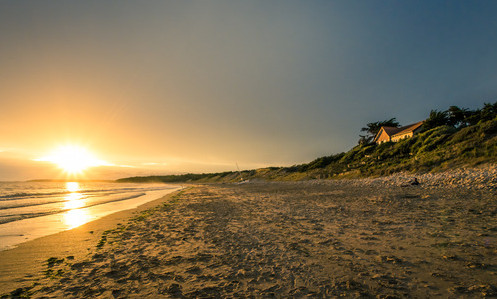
<point x="393" y="134"/>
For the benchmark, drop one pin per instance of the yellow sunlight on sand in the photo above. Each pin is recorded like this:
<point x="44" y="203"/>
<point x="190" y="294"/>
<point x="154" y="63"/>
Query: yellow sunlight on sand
<point x="73" y="159"/>
<point x="76" y="217"/>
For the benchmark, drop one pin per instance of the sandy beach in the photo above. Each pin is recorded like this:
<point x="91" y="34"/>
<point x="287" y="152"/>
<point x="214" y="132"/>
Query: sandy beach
<point x="25" y="265"/>
<point x="274" y="239"/>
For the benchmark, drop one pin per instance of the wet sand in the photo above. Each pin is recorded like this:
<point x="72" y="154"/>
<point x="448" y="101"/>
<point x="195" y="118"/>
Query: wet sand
<point x="293" y="239"/>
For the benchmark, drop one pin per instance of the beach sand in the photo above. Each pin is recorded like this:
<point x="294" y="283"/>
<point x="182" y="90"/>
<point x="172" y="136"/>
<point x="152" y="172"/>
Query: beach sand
<point x="23" y="265"/>
<point x="279" y="239"/>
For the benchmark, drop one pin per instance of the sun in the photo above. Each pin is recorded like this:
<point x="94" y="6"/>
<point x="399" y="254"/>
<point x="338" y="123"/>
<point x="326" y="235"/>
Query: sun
<point x="73" y="159"/>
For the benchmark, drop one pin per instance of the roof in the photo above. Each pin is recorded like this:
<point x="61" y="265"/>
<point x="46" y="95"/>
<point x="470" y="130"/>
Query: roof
<point x="408" y="129"/>
<point x="393" y="131"/>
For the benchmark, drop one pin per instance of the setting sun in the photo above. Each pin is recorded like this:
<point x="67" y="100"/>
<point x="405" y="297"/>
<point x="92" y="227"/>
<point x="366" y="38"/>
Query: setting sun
<point x="73" y="159"/>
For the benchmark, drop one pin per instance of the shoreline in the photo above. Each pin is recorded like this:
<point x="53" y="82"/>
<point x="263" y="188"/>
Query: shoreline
<point x="20" y="231"/>
<point x="22" y="265"/>
<point x="289" y="239"/>
<point x="324" y="238"/>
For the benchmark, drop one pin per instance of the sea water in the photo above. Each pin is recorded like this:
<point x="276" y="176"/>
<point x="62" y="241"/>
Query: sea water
<point x="29" y="210"/>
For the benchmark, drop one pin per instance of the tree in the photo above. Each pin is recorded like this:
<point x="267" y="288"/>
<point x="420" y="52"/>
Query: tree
<point x="437" y="119"/>
<point x="488" y="112"/>
<point x="364" y="140"/>
<point x="373" y="128"/>
<point x="457" y="116"/>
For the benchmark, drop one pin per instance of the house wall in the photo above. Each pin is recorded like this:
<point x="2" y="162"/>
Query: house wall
<point x="397" y="138"/>
<point x="383" y="137"/>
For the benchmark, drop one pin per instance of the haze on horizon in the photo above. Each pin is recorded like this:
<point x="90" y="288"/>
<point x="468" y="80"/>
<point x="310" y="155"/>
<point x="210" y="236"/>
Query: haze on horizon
<point x="196" y="86"/>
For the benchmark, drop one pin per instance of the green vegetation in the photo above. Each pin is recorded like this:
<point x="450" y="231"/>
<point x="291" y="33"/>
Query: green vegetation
<point x="452" y="138"/>
<point x="103" y="239"/>
<point x="175" y="178"/>
<point x="54" y="261"/>
<point x="109" y="236"/>
<point x="19" y="293"/>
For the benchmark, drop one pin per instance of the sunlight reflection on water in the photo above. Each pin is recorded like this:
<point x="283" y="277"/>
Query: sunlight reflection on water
<point x="72" y="186"/>
<point x="74" y="201"/>
<point x="76" y="216"/>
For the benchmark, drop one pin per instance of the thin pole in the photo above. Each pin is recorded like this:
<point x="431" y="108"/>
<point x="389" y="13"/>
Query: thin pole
<point x="239" y="172"/>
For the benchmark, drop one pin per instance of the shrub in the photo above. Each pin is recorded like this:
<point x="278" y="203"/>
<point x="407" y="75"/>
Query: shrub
<point x="489" y="127"/>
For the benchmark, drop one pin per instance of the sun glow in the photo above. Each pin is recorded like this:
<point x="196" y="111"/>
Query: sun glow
<point x="73" y="159"/>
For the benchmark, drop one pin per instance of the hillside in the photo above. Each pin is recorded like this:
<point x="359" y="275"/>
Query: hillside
<point x="445" y="145"/>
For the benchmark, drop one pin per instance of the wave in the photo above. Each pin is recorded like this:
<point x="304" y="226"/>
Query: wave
<point x="23" y="195"/>
<point x="9" y="218"/>
<point x="31" y="203"/>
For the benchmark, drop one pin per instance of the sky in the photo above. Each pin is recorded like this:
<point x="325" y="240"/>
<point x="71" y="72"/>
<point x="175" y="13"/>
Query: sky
<point x="159" y="87"/>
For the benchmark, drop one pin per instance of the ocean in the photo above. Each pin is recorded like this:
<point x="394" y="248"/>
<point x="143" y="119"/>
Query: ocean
<point x="29" y="210"/>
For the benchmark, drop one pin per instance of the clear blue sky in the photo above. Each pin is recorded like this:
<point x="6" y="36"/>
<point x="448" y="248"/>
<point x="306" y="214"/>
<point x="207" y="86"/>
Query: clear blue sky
<point x="200" y="85"/>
